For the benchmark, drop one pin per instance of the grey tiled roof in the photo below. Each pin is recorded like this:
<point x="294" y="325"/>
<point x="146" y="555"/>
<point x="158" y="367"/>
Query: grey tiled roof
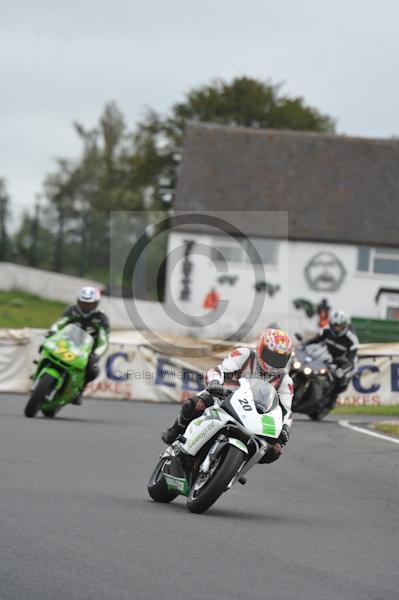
<point x="335" y="188"/>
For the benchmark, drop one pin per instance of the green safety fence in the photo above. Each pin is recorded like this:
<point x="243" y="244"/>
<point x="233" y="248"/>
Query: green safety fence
<point x="371" y="331"/>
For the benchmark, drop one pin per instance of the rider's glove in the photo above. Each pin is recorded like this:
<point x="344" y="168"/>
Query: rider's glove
<point x="214" y="375"/>
<point x="339" y="373"/>
<point x="284" y="435"/>
<point x="94" y="358"/>
<point x="215" y="388"/>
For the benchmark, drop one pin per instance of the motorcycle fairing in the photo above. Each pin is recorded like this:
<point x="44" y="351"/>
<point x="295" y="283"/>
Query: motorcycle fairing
<point x="205" y="427"/>
<point x="202" y="429"/>
<point x="268" y="424"/>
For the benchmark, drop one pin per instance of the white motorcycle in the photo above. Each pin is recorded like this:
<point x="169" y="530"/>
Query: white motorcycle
<point x="219" y="447"/>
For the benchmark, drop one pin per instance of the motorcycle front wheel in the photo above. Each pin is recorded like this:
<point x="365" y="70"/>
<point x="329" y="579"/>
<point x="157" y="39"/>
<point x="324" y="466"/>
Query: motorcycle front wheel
<point x="208" y="487"/>
<point x="43" y="388"/>
<point x="157" y="485"/>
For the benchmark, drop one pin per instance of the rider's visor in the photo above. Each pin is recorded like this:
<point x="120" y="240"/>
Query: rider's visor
<point x="338" y="327"/>
<point x="87" y="307"/>
<point x="273" y="359"/>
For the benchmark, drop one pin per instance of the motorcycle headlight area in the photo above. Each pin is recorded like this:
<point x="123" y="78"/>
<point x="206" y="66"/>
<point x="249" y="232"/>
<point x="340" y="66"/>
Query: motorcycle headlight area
<point x="296" y="364"/>
<point x="307" y="371"/>
<point x="66" y="356"/>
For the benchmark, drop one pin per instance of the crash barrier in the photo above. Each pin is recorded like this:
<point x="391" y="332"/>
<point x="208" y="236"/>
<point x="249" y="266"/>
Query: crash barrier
<point x="64" y="288"/>
<point x="128" y="314"/>
<point x="56" y="286"/>
<point x="133" y="370"/>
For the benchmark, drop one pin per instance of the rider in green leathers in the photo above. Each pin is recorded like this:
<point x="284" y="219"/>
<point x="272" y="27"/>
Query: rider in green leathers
<point x="86" y="314"/>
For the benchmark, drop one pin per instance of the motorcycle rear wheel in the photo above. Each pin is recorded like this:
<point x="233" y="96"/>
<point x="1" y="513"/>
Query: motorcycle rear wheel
<point x="202" y="498"/>
<point x="318" y="415"/>
<point x="50" y="412"/>
<point x="43" y="388"/>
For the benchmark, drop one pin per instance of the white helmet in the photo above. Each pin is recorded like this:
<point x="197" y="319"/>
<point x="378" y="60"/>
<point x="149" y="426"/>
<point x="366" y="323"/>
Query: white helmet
<point x="88" y="300"/>
<point x="339" y="322"/>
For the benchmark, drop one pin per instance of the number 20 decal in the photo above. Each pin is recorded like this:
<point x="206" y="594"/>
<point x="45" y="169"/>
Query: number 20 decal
<point x="245" y="404"/>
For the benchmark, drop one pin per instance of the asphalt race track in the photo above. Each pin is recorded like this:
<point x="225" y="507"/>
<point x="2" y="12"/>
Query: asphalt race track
<point x="76" y="522"/>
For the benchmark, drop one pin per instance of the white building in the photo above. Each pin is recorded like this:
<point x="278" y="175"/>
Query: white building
<point x="320" y="210"/>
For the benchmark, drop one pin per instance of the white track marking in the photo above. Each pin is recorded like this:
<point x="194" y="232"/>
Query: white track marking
<point x="368" y="432"/>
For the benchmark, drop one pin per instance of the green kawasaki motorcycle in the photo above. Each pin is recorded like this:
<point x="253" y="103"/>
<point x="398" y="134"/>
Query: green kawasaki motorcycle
<point x="60" y="373"/>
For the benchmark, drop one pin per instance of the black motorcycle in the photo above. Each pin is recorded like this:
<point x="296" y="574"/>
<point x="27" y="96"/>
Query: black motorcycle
<point x="312" y="372"/>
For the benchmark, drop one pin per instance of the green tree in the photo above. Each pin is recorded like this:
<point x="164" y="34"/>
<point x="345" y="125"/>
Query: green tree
<point x="243" y="102"/>
<point x="120" y="170"/>
<point x="81" y="194"/>
<point x="33" y="243"/>
<point x="249" y="103"/>
<point x="4" y="216"/>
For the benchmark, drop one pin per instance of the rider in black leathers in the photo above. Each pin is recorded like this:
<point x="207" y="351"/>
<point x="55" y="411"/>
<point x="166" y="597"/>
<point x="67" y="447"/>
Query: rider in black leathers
<point x="342" y="344"/>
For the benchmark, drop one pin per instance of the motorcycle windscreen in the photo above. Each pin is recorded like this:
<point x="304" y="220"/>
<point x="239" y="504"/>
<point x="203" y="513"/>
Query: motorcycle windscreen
<point x="71" y="345"/>
<point x="256" y="405"/>
<point x="77" y="336"/>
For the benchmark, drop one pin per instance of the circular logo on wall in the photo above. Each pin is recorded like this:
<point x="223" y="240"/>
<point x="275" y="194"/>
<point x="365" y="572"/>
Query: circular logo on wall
<point x="325" y="272"/>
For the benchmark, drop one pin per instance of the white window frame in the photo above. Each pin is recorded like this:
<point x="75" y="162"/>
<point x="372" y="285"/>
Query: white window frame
<point x="219" y="243"/>
<point x="376" y="252"/>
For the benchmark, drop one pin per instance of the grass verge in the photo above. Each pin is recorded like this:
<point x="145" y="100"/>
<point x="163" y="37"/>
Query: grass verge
<point x="386" y="409"/>
<point x="18" y="309"/>
<point x="389" y="428"/>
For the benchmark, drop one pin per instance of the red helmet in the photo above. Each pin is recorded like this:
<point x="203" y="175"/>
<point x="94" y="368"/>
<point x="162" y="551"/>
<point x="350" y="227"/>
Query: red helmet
<point x="273" y="351"/>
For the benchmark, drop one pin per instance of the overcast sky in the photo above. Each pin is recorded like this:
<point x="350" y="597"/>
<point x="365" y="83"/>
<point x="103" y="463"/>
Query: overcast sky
<point x="61" y="61"/>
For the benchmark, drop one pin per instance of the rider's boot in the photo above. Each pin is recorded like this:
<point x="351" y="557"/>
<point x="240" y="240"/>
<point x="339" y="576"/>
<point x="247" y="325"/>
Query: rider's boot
<point x="78" y="400"/>
<point x="272" y="453"/>
<point x="173" y="432"/>
<point x="332" y="401"/>
<point x="79" y="396"/>
<point x="192" y="408"/>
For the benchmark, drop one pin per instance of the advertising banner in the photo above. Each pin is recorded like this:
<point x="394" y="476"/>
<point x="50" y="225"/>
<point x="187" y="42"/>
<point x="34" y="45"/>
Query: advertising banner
<point x="377" y="378"/>
<point x="132" y="370"/>
<point x="139" y="373"/>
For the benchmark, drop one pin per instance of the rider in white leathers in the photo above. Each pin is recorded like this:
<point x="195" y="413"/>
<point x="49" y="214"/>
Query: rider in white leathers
<point x="268" y="362"/>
